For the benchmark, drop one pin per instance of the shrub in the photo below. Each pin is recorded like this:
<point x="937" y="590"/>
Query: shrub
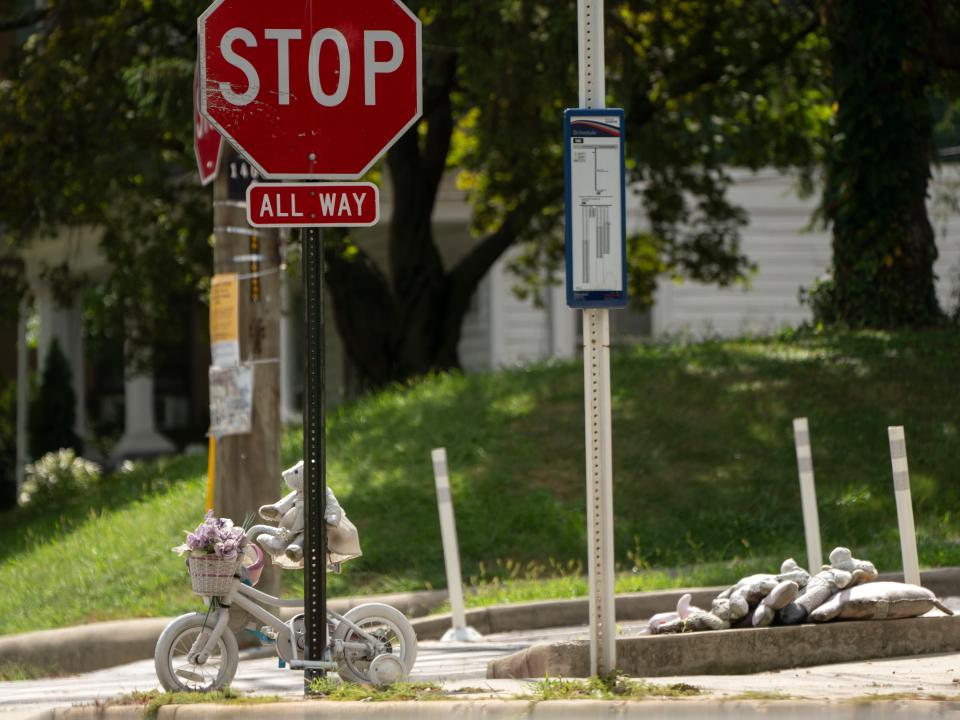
<point x="821" y="299"/>
<point x="57" y="473"/>
<point x="53" y="410"/>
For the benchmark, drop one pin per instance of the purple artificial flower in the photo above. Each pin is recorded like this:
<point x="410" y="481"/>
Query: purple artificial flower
<point x="215" y="536"/>
<point x="194" y="542"/>
<point x="227" y="550"/>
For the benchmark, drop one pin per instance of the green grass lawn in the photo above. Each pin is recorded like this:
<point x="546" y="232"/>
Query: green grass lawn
<point x="705" y="478"/>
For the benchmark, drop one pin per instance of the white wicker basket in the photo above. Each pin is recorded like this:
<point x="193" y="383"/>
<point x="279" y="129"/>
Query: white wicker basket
<point x="212" y="576"/>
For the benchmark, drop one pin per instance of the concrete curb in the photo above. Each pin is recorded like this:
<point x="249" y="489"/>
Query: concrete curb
<point x="743" y="651"/>
<point x="526" y="710"/>
<point x="101" y="645"/>
<point x="634" y="606"/>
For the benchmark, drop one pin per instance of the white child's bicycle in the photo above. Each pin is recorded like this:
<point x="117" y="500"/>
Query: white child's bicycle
<point x="372" y="643"/>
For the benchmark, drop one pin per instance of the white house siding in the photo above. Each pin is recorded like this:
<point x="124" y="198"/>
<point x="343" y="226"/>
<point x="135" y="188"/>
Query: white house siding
<point x="474" y="345"/>
<point x="525" y="329"/>
<point x="502" y="330"/>
<point x="788" y="255"/>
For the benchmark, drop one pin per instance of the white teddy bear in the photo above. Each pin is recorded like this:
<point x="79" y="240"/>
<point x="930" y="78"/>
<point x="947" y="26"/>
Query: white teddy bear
<point x="285" y="545"/>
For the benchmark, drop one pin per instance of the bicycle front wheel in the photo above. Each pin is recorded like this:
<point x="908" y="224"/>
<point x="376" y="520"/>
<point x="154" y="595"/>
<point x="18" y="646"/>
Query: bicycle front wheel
<point x="175" y="670"/>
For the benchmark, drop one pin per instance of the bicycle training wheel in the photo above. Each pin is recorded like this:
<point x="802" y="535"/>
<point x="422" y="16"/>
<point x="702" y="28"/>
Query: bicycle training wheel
<point x="177" y="673"/>
<point x="383" y="622"/>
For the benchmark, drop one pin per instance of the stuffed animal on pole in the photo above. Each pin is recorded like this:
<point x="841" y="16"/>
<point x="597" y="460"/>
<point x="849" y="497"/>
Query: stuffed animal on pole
<point x="285" y="543"/>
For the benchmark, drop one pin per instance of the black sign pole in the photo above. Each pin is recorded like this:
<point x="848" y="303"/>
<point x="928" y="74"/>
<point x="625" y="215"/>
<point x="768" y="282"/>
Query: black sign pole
<point x="314" y="441"/>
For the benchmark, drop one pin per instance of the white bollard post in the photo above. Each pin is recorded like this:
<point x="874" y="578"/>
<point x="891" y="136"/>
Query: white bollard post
<point x="451" y="552"/>
<point x="808" y="495"/>
<point x="901" y="489"/>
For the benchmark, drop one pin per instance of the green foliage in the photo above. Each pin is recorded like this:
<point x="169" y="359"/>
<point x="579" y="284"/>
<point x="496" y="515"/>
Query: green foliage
<point x="706" y="86"/>
<point x="96" y="130"/>
<point x="53" y="409"/>
<point x="821" y="299"/>
<point x="879" y="165"/>
<point x="56" y="474"/>
<point x="13" y="284"/>
<point x="20" y="671"/>
<point x="757" y="695"/>
<point x="102" y="554"/>
<point x="611" y="688"/>
<point x="329" y="688"/>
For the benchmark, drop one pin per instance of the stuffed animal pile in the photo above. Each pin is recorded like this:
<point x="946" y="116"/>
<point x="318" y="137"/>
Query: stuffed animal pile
<point x="842" y="589"/>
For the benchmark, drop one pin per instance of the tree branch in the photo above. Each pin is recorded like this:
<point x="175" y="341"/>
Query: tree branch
<point x="439" y="116"/>
<point x="945" y="48"/>
<point x="643" y="109"/>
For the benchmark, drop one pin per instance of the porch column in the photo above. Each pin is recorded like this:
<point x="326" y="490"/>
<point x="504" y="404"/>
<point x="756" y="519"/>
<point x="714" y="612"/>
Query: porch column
<point x="140" y="437"/>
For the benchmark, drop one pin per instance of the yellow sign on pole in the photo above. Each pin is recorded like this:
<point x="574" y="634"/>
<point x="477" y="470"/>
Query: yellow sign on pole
<point x="225" y="320"/>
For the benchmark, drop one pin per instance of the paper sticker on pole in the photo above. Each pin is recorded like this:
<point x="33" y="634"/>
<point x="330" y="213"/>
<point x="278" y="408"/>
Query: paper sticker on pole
<point x="312" y="89"/>
<point x="313" y="205"/>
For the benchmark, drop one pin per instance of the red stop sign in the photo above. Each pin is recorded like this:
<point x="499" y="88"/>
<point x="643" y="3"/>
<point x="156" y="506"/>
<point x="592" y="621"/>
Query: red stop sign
<point x="313" y="89"/>
<point x="206" y="141"/>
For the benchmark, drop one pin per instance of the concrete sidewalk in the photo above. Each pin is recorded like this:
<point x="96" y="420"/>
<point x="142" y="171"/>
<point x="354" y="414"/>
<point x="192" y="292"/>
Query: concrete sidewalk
<point x="896" y="688"/>
<point x="525" y="710"/>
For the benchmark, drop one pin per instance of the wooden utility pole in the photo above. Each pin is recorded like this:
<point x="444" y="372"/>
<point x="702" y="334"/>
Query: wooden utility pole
<point x="248" y="466"/>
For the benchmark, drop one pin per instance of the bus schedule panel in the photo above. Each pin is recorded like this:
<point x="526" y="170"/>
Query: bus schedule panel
<point x="595" y="208"/>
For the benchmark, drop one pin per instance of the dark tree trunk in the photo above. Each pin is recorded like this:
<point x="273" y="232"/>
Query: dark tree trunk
<point x="409" y="323"/>
<point x="883" y="243"/>
<point x="394" y="331"/>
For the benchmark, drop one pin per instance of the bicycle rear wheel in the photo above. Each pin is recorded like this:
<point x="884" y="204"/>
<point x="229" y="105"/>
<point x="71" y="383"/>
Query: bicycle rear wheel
<point x="389" y="626"/>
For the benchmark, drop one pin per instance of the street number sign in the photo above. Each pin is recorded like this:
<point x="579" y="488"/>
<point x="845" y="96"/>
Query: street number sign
<point x="595" y="208"/>
<point x="313" y="205"/>
<point x="206" y="140"/>
<point x="314" y="89"/>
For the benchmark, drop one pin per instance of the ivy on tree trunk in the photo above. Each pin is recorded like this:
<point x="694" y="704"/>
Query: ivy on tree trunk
<point x="879" y="167"/>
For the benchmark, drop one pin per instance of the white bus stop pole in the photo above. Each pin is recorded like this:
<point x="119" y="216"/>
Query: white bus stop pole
<point x="451" y="551"/>
<point x="901" y="489"/>
<point x="808" y="495"/>
<point x="596" y="374"/>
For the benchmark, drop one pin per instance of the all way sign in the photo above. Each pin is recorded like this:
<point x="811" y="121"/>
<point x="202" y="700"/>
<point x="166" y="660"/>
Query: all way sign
<point x="313" y="204"/>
